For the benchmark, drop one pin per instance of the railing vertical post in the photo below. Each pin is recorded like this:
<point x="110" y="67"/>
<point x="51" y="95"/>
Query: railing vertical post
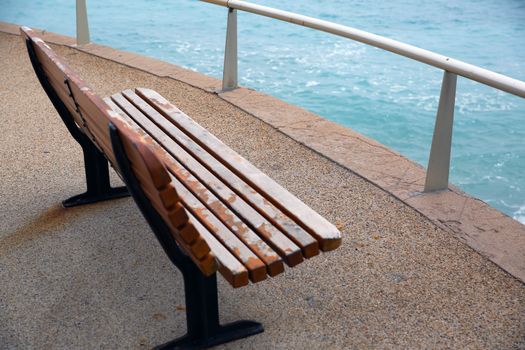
<point x="229" y="77"/>
<point x="82" y="23"/>
<point x="439" y="159"/>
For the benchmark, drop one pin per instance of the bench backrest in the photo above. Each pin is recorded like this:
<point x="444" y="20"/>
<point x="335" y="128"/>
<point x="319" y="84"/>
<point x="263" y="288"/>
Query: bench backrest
<point x="87" y="109"/>
<point x="92" y="116"/>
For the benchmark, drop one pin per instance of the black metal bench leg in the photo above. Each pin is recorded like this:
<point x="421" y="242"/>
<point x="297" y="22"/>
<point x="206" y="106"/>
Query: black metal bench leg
<point x="96" y="165"/>
<point x="97" y="180"/>
<point x="202" y="306"/>
<point x="202" y="315"/>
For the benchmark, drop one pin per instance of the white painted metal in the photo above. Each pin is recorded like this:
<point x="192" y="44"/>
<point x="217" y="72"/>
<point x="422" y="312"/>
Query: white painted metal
<point x="466" y="70"/>
<point x="229" y="76"/>
<point x="439" y="160"/>
<point x="82" y="23"/>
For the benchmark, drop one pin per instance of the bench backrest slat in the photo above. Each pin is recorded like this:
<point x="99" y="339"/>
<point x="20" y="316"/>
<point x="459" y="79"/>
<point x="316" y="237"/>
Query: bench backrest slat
<point x="85" y="106"/>
<point x="56" y="78"/>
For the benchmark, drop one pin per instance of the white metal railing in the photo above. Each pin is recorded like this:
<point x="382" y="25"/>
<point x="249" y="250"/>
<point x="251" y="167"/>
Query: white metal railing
<point x="439" y="159"/>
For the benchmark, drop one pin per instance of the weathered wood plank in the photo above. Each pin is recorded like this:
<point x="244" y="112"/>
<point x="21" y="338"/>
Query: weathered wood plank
<point x="90" y="115"/>
<point x="58" y="86"/>
<point x="327" y="234"/>
<point x="258" y="246"/>
<point x="295" y="232"/>
<point x="230" y="268"/>
<point x="175" y="217"/>
<point x="271" y="235"/>
<point x="256" y="267"/>
<point x="57" y="71"/>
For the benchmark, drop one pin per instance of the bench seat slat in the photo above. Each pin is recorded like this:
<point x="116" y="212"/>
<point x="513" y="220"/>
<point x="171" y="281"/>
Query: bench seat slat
<point x="152" y="177"/>
<point x="273" y="261"/>
<point x="326" y="233"/>
<point x="255" y="266"/>
<point x="230" y="268"/>
<point x="295" y="232"/>
<point x="273" y="236"/>
<point x="254" y="242"/>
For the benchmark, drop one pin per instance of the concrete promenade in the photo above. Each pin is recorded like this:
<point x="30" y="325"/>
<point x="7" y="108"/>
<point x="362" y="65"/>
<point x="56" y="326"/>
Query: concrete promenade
<point x="94" y="277"/>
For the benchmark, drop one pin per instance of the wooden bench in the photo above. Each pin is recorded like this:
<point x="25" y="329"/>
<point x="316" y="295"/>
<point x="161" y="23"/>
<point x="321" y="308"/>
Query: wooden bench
<point x="210" y="209"/>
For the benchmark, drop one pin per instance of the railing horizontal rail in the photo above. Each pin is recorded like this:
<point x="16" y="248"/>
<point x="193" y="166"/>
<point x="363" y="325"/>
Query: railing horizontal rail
<point x="484" y="76"/>
<point x="439" y="158"/>
<point x="440" y="151"/>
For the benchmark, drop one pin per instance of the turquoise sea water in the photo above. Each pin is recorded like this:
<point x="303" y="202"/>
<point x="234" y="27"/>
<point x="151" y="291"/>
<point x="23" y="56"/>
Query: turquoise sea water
<point x="389" y="98"/>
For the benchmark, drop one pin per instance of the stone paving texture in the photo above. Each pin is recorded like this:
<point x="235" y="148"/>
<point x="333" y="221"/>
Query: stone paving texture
<point x="94" y="277"/>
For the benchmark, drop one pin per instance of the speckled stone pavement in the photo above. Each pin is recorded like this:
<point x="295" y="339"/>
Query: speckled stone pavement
<point x="94" y="277"/>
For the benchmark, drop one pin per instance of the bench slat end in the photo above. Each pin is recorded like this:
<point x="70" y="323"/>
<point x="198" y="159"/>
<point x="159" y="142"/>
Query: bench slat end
<point x="330" y="244"/>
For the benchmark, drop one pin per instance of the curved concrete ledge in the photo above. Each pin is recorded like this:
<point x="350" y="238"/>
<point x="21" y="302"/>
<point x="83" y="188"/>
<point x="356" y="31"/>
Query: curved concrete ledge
<point x="487" y="230"/>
